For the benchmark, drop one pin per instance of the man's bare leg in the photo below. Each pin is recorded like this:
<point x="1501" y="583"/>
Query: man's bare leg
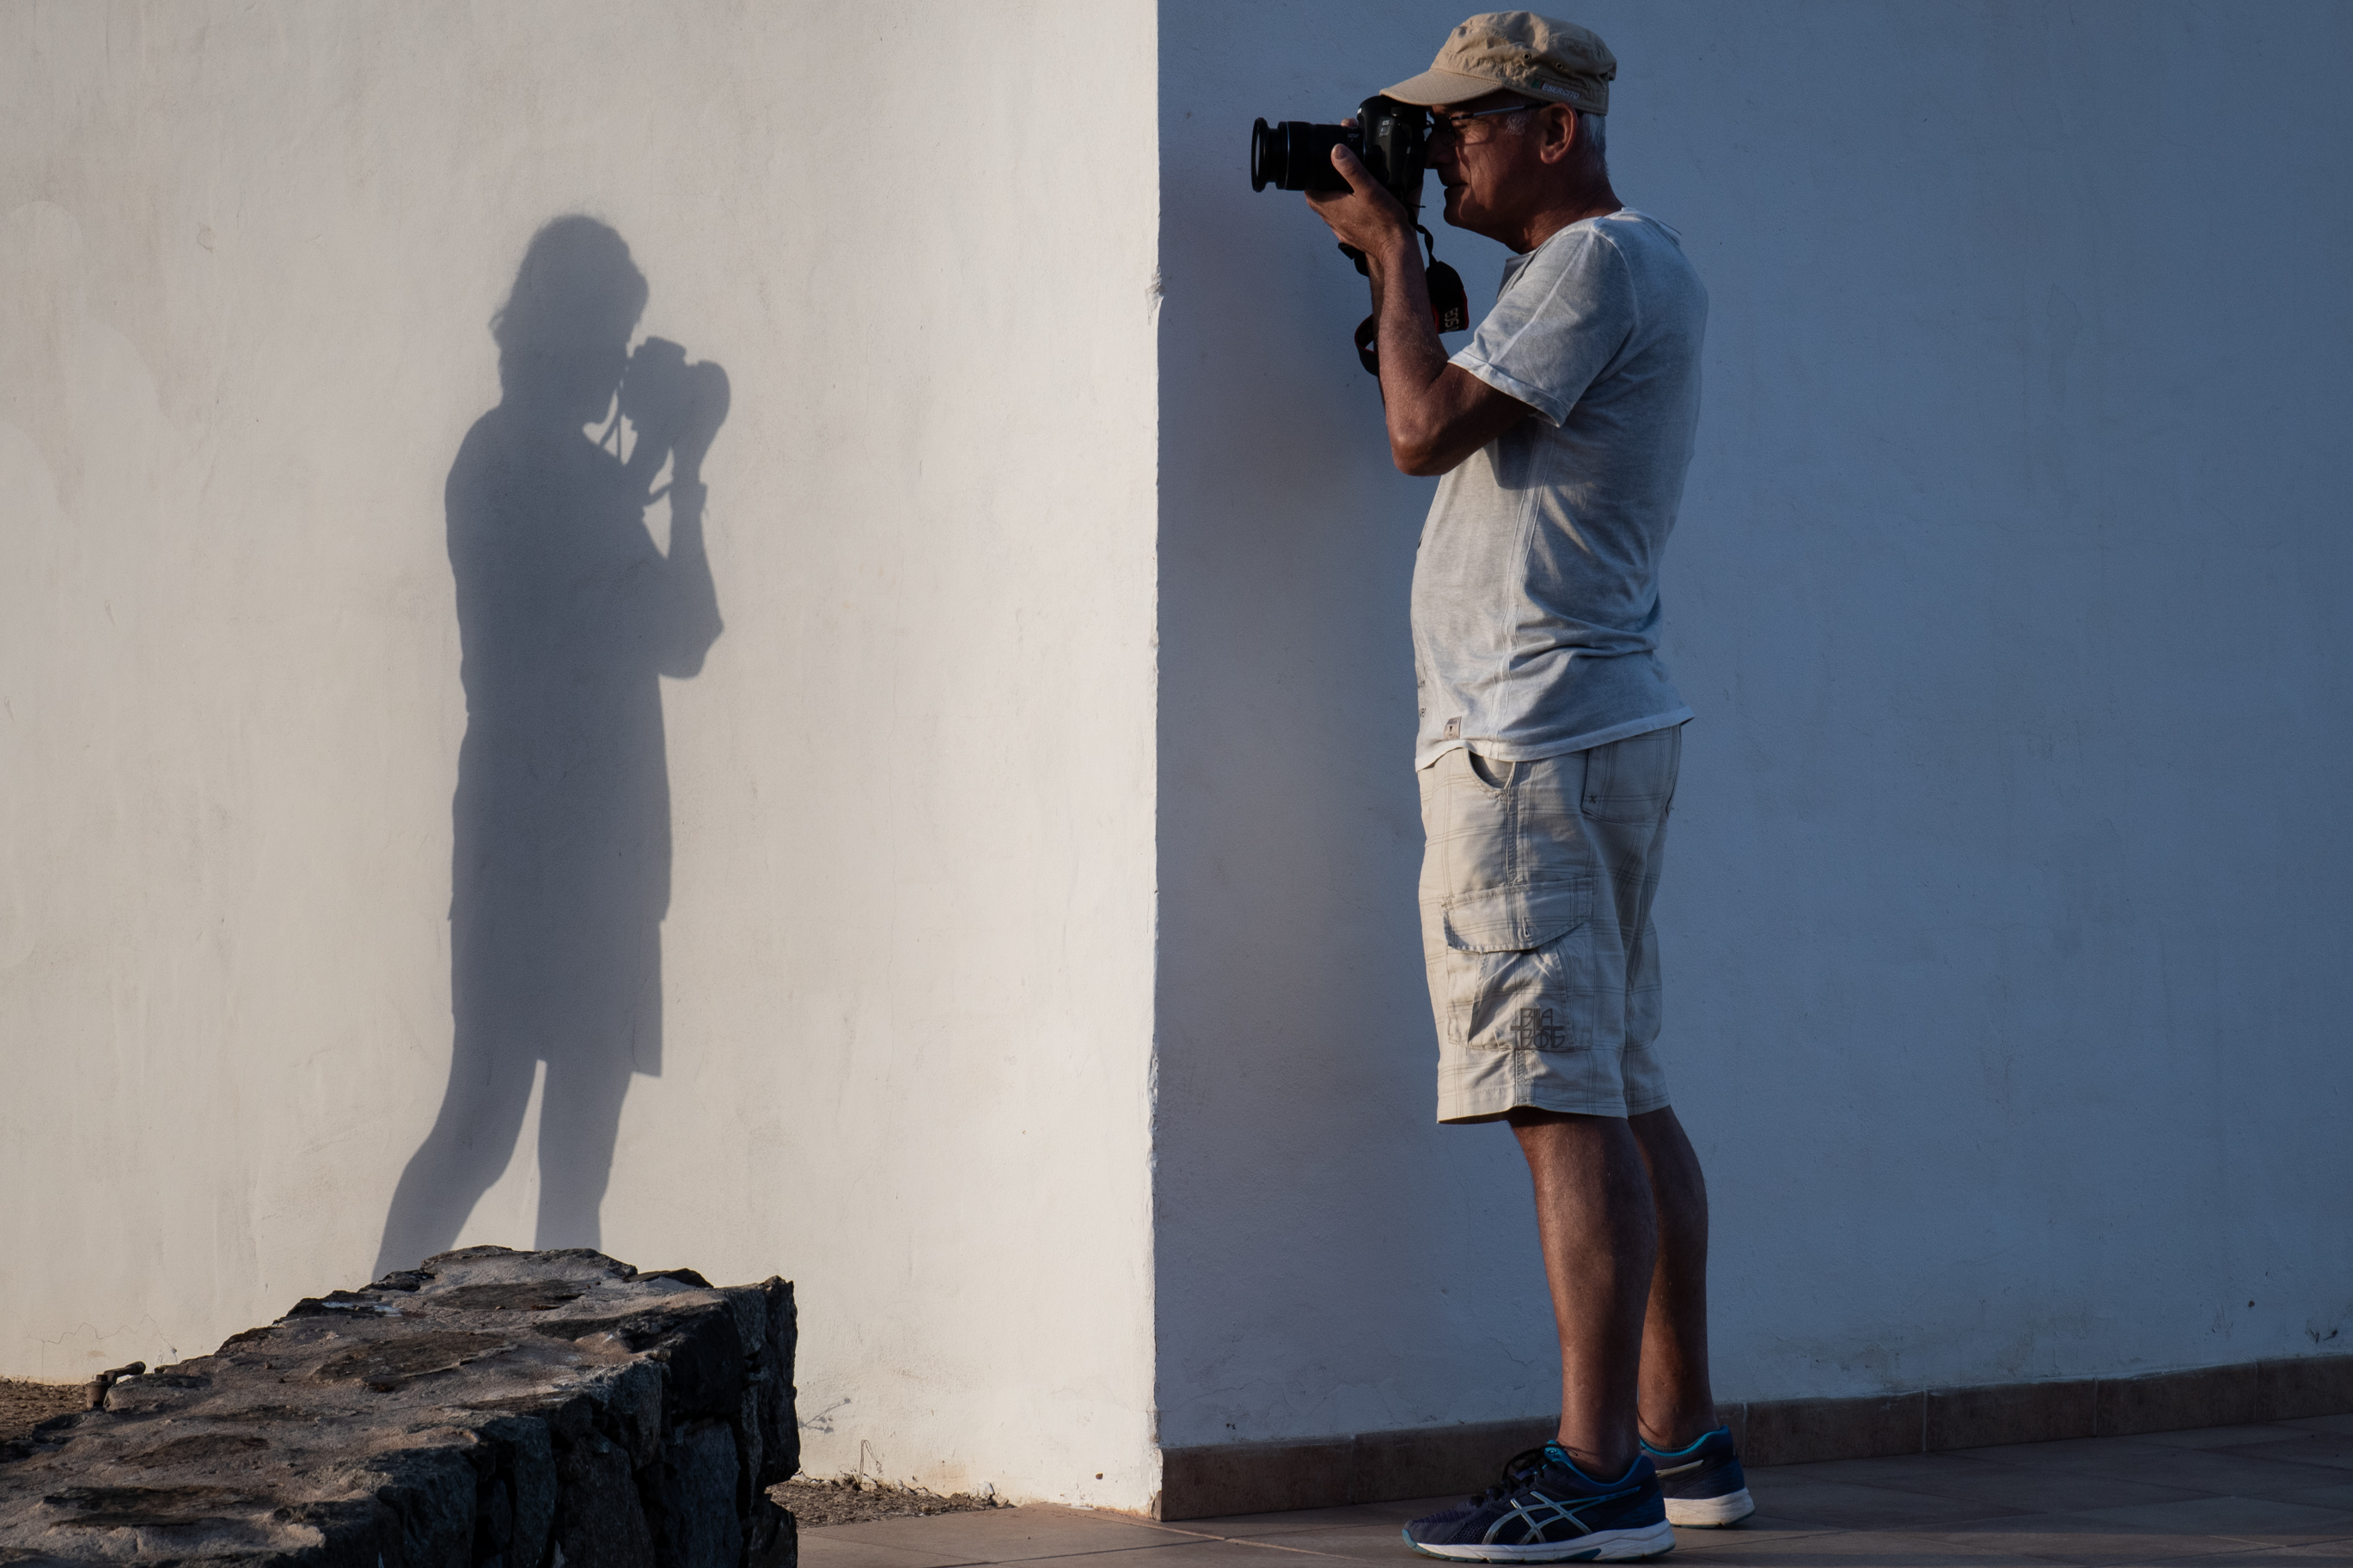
<point x="1677" y="1404"/>
<point x="1622" y="1211"/>
<point x="1601" y="1237"/>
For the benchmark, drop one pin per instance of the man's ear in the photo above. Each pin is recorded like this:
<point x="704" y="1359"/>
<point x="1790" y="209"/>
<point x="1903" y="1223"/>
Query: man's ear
<point x="1556" y="133"/>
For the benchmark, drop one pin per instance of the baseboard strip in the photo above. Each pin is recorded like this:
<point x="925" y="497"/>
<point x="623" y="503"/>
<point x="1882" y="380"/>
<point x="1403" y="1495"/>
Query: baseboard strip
<point x="1221" y="1479"/>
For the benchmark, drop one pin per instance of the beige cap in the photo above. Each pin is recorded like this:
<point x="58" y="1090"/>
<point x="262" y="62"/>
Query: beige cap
<point x="1521" y="52"/>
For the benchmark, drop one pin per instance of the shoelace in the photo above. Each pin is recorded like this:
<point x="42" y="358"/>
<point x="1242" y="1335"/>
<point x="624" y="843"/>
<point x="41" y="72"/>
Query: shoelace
<point x="1525" y="1463"/>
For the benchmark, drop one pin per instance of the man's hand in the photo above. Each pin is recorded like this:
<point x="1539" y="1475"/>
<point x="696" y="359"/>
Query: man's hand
<point x="676" y="409"/>
<point x="1438" y="413"/>
<point x="1366" y="216"/>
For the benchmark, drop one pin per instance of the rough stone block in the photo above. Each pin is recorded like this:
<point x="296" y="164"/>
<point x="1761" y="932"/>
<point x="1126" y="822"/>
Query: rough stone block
<point x="488" y="1407"/>
<point x="696" y="1488"/>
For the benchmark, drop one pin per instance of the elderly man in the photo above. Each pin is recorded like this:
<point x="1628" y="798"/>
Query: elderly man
<point x="1549" y="743"/>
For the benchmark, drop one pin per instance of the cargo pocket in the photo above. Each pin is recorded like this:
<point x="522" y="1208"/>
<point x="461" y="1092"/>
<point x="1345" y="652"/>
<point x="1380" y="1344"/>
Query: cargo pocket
<point x="1518" y="963"/>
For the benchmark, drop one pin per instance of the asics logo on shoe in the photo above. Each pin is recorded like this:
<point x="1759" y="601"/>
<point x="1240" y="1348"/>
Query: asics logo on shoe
<point x="1679" y="1469"/>
<point x="1554" y="1512"/>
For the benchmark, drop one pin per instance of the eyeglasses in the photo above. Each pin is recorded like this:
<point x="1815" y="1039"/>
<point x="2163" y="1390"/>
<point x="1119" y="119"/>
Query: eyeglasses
<point x="1451" y="124"/>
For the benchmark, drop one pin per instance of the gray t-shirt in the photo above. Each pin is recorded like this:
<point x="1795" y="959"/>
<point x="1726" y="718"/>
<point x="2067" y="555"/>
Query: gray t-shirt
<point x="1535" y="590"/>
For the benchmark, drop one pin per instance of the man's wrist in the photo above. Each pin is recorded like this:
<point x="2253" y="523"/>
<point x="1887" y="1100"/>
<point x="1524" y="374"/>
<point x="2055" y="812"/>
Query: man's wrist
<point x="1397" y="251"/>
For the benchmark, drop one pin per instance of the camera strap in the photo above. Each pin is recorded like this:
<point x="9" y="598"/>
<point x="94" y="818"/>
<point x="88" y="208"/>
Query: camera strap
<point x="1450" y="304"/>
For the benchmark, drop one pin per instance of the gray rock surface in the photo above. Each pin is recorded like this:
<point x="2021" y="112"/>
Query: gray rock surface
<point x="510" y="1409"/>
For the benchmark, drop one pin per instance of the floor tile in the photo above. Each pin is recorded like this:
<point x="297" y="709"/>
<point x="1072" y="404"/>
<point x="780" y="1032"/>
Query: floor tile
<point x="2338" y="1497"/>
<point x="1374" y="1542"/>
<point x="2009" y="1487"/>
<point x="2213" y="1471"/>
<point x="2158" y="1531"/>
<point x="1850" y="1507"/>
<point x="822" y="1548"/>
<point x="2059" y="1453"/>
<point x="2242" y="1518"/>
<point x="2069" y="1538"/>
<point x="1209" y="1553"/>
<point x="2334" y="1449"/>
<point x="1254" y="1525"/>
<point x="1900" y="1469"/>
<point x="2221" y="1436"/>
<point x="1757" y="1531"/>
<point x="2339" y="1552"/>
<point x="1008" y="1535"/>
<point x="1849" y="1549"/>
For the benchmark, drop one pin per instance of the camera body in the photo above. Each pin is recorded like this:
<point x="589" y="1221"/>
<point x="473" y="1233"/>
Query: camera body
<point x="1392" y="138"/>
<point x="656" y="390"/>
<point x="677" y="405"/>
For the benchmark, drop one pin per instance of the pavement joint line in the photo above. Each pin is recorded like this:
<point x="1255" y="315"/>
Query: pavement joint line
<point x="1196" y="1535"/>
<point x="1044" y="1556"/>
<point x="1182" y="1535"/>
<point x="1246" y="1541"/>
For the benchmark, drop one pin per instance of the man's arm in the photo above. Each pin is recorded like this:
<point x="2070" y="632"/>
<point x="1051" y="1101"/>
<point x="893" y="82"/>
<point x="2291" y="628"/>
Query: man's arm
<point x="1438" y="413"/>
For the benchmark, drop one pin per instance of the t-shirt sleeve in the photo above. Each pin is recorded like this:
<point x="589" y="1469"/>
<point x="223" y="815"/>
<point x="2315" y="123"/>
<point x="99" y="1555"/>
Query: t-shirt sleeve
<point x="1558" y="327"/>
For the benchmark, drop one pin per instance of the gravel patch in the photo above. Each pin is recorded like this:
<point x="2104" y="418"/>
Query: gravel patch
<point x="24" y="1406"/>
<point x="855" y="1501"/>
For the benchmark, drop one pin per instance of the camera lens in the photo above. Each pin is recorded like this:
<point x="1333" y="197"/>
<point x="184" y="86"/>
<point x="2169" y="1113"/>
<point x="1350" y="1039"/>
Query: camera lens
<point x="1296" y="156"/>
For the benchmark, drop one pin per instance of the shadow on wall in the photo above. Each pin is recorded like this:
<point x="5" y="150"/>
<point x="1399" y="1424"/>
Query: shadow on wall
<point x="568" y="613"/>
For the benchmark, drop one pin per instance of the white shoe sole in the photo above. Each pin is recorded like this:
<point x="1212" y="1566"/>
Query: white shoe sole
<point x="1602" y="1546"/>
<point x="1710" y="1512"/>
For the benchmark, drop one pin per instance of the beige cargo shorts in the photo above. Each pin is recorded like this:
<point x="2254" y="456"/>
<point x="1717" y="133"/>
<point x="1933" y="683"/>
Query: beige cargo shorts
<point x="1535" y="927"/>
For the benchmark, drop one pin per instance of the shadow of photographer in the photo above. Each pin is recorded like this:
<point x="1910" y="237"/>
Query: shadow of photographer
<point x="568" y="614"/>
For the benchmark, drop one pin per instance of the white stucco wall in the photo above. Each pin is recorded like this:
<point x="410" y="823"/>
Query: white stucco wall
<point x="2006" y="889"/>
<point x="2009" y="880"/>
<point x="249" y="256"/>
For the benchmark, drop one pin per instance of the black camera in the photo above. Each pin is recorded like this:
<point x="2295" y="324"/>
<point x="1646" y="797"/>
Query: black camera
<point x="1392" y="138"/>
<point x="677" y="404"/>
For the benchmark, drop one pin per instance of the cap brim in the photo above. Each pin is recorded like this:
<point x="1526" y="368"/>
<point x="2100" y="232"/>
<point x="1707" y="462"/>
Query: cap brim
<point x="1443" y="87"/>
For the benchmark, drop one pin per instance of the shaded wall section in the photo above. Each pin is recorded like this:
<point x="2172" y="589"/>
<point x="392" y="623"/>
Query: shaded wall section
<point x="852" y="903"/>
<point x="2008" y="872"/>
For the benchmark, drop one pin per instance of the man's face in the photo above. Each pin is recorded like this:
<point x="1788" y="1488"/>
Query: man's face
<point x="1489" y="166"/>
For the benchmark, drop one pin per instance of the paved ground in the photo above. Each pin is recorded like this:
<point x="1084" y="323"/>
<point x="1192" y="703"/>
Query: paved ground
<point x="2277" y="1495"/>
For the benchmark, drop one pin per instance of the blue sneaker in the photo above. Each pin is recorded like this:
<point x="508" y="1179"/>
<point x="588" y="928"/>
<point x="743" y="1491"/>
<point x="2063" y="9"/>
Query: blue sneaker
<point x="1545" y="1510"/>
<point x="1704" y="1485"/>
